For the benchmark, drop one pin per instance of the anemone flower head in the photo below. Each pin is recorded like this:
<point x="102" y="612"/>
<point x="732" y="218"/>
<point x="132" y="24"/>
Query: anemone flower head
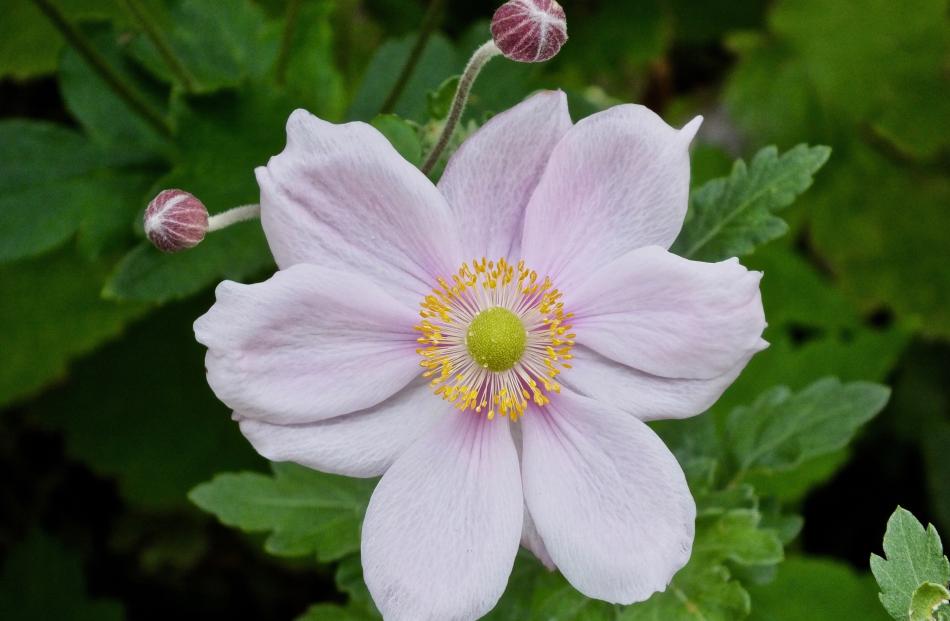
<point x="492" y="346"/>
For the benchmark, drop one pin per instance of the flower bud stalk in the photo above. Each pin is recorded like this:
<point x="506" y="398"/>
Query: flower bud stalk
<point x="482" y="55"/>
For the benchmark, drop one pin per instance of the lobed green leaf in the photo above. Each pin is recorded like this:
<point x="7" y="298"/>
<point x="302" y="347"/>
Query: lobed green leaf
<point x="56" y="313"/>
<point x="914" y="556"/>
<point x="782" y="430"/>
<point x="304" y="511"/>
<point x="731" y="216"/>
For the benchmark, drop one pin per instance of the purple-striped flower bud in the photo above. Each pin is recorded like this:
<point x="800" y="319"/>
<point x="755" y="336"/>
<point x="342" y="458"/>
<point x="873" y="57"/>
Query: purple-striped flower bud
<point x="175" y="220"/>
<point x="529" y="31"/>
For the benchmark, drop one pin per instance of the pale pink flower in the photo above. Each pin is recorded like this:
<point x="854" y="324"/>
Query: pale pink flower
<point x="542" y="253"/>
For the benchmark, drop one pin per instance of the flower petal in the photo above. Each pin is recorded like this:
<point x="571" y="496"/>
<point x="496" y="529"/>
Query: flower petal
<point x="617" y="181"/>
<point x="308" y="344"/>
<point x="668" y="316"/>
<point x="491" y="177"/>
<point x="531" y="540"/>
<point x="361" y="444"/>
<point x="442" y="528"/>
<point x="340" y="196"/>
<point x="648" y="397"/>
<point x="608" y="498"/>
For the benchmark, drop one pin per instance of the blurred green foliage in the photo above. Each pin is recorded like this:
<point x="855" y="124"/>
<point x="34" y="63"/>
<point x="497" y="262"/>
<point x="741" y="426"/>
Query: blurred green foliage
<point x="42" y="581"/>
<point x="98" y="355"/>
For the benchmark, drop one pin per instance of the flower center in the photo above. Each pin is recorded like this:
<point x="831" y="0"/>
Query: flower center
<point x="496" y="339"/>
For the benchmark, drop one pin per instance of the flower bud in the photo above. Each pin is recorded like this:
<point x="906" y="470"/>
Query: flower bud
<point x="175" y="220"/>
<point x="529" y="31"/>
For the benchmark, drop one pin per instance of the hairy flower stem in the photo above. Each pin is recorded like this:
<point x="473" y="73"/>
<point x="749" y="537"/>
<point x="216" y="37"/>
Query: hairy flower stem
<point x="429" y="22"/>
<point x="482" y="55"/>
<point x="233" y="216"/>
<point x="287" y="39"/>
<point x="100" y="65"/>
<point x="154" y="33"/>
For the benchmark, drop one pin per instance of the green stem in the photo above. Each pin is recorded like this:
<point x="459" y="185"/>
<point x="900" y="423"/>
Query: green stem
<point x="287" y="39"/>
<point x="154" y="33"/>
<point x="101" y="66"/>
<point x="482" y="55"/>
<point x="429" y="22"/>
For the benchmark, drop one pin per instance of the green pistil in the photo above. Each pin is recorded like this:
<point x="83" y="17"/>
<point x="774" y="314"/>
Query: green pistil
<point x="496" y="339"/>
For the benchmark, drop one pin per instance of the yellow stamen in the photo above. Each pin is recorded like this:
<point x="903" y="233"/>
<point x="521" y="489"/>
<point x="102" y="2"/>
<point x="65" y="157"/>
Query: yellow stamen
<point x="493" y="337"/>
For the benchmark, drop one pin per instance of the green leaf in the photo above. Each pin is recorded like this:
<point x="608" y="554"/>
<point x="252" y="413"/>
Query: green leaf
<point x="556" y="600"/>
<point x="913" y="556"/>
<point x="219" y="43"/>
<point x="107" y="223"/>
<point x="926" y="601"/>
<point x="816" y="589"/>
<point x="148" y="275"/>
<point x="881" y="253"/>
<point x="106" y="118"/>
<point x="30" y="45"/>
<point x="304" y="511"/>
<point x="796" y="294"/>
<point x="403" y="136"/>
<point x="49" y="177"/>
<point x="438" y="61"/>
<point x="782" y="430"/>
<point x="700" y="592"/>
<point x="768" y="79"/>
<point x="736" y="536"/>
<point x="731" y="216"/>
<point x="713" y="502"/>
<point x="311" y="70"/>
<point x="839" y="51"/>
<point x="706" y="22"/>
<point x="157" y="428"/>
<point x="41" y="581"/>
<point x="223" y="138"/>
<point x="800" y="81"/>
<point x="440" y="100"/>
<point x="54" y="304"/>
<point x="349" y="578"/>
<point x="535" y="593"/>
<point x="616" y="40"/>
